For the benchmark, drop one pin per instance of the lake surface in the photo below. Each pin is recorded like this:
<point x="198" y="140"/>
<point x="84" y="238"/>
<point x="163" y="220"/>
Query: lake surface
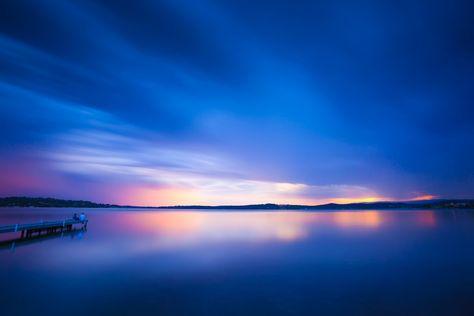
<point x="142" y="262"/>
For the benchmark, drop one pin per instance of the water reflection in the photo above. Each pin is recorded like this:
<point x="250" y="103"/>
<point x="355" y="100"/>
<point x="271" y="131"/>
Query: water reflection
<point x="185" y="228"/>
<point x="255" y="226"/>
<point x="124" y="234"/>
<point x="174" y="229"/>
<point x="427" y="218"/>
<point x="12" y="244"/>
<point x="368" y="219"/>
<point x="243" y="263"/>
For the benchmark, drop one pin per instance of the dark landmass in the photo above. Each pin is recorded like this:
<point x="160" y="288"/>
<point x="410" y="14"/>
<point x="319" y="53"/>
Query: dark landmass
<point x="426" y="204"/>
<point x="429" y="204"/>
<point x="48" y="202"/>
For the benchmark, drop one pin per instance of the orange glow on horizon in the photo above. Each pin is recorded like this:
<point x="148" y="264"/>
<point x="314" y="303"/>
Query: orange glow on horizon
<point x="279" y="193"/>
<point x="168" y="196"/>
<point x="424" y="197"/>
<point x="358" y="200"/>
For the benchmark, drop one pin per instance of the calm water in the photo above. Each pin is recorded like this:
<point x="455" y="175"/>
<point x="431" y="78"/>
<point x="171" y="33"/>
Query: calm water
<point x="135" y="262"/>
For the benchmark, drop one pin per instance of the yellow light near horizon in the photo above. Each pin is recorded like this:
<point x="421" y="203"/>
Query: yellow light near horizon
<point x="242" y="193"/>
<point x="358" y="200"/>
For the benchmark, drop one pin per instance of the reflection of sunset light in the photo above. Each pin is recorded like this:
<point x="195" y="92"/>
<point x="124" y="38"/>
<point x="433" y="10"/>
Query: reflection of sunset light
<point x="189" y="227"/>
<point x="364" y="219"/>
<point x="141" y="231"/>
<point x="426" y="218"/>
<point x="172" y="223"/>
<point x="290" y="233"/>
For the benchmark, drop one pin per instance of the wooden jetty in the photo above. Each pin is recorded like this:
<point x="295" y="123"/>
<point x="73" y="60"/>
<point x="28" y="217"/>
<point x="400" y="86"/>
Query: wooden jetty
<point x="27" y="230"/>
<point x="12" y="244"/>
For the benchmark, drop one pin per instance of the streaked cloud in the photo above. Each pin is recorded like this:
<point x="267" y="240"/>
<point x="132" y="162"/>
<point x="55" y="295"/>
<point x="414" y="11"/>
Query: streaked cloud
<point x="186" y="175"/>
<point x="236" y="101"/>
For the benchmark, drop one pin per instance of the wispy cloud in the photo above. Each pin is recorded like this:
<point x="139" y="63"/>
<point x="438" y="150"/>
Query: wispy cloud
<point x="178" y="174"/>
<point x="230" y="102"/>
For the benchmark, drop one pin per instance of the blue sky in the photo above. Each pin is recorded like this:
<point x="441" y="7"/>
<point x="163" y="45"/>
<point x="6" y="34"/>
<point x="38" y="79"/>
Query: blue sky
<point x="234" y="102"/>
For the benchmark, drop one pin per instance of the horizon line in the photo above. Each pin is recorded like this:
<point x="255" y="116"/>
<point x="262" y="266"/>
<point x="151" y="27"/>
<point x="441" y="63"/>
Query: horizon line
<point x="242" y="205"/>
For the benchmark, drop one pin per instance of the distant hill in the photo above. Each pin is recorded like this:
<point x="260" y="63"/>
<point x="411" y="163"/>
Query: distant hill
<point x="48" y="202"/>
<point x="428" y="204"/>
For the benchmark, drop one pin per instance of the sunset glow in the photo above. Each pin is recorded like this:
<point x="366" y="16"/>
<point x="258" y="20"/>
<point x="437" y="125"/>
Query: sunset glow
<point x="210" y="108"/>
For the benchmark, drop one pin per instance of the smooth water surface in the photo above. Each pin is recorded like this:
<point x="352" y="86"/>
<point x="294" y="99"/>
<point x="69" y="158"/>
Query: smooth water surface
<point x="142" y="262"/>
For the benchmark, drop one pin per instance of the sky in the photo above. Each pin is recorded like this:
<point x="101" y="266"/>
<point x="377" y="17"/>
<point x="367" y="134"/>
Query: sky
<point x="237" y="102"/>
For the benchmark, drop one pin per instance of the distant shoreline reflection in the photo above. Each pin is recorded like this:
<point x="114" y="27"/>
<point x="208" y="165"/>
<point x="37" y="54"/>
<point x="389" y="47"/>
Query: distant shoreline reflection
<point x="141" y="231"/>
<point x="189" y="226"/>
